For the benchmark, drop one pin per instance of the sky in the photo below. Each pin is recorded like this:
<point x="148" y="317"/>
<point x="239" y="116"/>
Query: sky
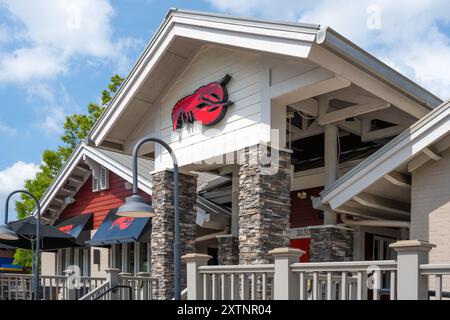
<point x="57" y="56"/>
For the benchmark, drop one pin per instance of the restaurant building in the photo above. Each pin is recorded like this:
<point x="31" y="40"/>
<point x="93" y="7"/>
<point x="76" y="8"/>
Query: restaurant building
<point x="286" y="134"/>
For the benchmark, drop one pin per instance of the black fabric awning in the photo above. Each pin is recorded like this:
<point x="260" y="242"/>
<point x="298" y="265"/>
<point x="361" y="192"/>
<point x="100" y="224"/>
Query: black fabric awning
<point x="116" y="229"/>
<point x="74" y="225"/>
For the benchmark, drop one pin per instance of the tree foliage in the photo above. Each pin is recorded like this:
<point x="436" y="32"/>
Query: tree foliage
<point x="76" y="128"/>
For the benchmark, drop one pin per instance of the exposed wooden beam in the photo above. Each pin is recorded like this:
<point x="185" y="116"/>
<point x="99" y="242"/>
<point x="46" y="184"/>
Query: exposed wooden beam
<point x="417" y="162"/>
<point x="372" y="135"/>
<point x="398" y="179"/>
<point x="302" y="134"/>
<point x="211" y="236"/>
<point x="383" y="204"/>
<point x="426" y="155"/>
<point x="308" y="106"/>
<point x="59" y="199"/>
<point x="353" y="208"/>
<point x="339" y="66"/>
<point x="431" y="154"/>
<point x="75" y="178"/>
<point x="392" y="115"/>
<point x="68" y="189"/>
<point x="351" y="126"/>
<point x="363" y="212"/>
<point x="112" y="145"/>
<point x="352" y="111"/>
<point x="83" y="167"/>
<point x="55" y="208"/>
<point x="310" y="84"/>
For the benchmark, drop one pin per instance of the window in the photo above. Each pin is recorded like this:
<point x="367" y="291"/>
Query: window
<point x="145" y="258"/>
<point x="130" y="262"/>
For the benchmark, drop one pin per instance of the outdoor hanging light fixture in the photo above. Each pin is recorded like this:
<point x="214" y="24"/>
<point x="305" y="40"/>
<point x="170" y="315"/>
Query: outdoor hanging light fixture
<point x="7" y="233"/>
<point x="136" y="207"/>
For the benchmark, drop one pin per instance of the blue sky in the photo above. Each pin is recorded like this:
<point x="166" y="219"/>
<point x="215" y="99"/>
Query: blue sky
<point x="57" y="56"/>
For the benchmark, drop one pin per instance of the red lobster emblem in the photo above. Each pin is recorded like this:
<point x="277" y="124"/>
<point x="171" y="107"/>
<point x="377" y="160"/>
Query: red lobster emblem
<point x="208" y="105"/>
<point x="66" y="229"/>
<point x="122" y="223"/>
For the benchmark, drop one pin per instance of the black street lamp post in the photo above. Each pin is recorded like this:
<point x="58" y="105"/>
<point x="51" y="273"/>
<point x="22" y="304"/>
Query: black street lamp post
<point x="6" y="233"/>
<point x="135" y="206"/>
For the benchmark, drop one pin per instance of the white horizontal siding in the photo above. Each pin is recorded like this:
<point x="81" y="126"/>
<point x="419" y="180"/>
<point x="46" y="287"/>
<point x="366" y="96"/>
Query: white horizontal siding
<point x="430" y="209"/>
<point x="243" y="118"/>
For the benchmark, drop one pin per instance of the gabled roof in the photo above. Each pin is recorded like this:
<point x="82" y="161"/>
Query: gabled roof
<point x="120" y="164"/>
<point x="432" y="129"/>
<point x="288" y="39"/>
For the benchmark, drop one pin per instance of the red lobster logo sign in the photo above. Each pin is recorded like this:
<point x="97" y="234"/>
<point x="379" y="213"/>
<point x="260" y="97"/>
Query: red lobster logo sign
<point x="122" y="223"/>
<point x="66" y="229"/>
<point x="208" y="105"/>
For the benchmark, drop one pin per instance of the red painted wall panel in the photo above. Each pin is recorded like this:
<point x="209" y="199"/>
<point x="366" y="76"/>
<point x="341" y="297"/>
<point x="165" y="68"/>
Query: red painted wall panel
<point x="302" y="244"/>
<point x="302" y="212"/>
<point x="99" y="203"/>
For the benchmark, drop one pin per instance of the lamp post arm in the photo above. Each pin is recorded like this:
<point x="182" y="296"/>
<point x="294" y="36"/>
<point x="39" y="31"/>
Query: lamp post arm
<point x="38" y="205"/>
<point x="176" y="205"/>
<point x="136" y="149"/>
<point x="38" y="236"/>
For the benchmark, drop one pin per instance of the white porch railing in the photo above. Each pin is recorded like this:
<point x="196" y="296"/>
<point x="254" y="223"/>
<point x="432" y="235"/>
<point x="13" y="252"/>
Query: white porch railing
<point x="99" y="293"/>
<point x="405" y="278"/>
<point x="237" y="282"/>
<point x="438" y="271"/>
<point x="142" y="286"/>
<point x="344" y="280"/>
<point x="19" y="287"/>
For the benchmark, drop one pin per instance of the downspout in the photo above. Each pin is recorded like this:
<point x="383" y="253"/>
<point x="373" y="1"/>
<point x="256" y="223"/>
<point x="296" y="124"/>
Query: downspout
<point x="375" y="223"/>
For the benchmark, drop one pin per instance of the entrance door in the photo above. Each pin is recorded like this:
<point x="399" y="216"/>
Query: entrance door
<point x="380" y="250"/>
<point x="302" y="244"/>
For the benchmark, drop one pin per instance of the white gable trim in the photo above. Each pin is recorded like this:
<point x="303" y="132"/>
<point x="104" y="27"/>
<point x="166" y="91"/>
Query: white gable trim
<point x="423" y="133"/>
<point x="77" y="156"/>
<point x="113" y="166"/>
<point x="291" y="40"/>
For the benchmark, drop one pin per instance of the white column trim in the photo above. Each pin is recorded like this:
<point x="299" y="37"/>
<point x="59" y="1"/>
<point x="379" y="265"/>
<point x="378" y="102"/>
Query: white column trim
<point x="137" y="258"/>
<point x="125" y="257"/>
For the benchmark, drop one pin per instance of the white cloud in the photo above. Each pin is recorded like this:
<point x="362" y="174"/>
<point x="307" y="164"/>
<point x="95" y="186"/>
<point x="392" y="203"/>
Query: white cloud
<point x="13" y="178"/>
<point x="56" y="103"/>
<point x="5" y="129"/>
<point x="53" y="33"/>
<point x="53" y="121"/>
<point x="28" y="64"/>
<point x="411" y="36"/>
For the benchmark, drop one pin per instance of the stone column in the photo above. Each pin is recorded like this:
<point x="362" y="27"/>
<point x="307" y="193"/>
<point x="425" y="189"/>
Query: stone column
<point x="228" y="252"/>
<point x="163" y="237"/>
<point x="331" y="243"/>
<point x="264" y="204"/>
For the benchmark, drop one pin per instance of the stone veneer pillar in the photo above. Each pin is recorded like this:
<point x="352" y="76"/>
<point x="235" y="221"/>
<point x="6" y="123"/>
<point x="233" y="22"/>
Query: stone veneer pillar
<point x="228" y="249"/>
<point x="163" y="237"/>
<point x="264" y="206"/>
<point x="331" y="243"/>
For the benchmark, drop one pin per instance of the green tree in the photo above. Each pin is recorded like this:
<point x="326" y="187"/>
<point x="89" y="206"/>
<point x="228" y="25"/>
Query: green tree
<point x="76" y="128"/>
